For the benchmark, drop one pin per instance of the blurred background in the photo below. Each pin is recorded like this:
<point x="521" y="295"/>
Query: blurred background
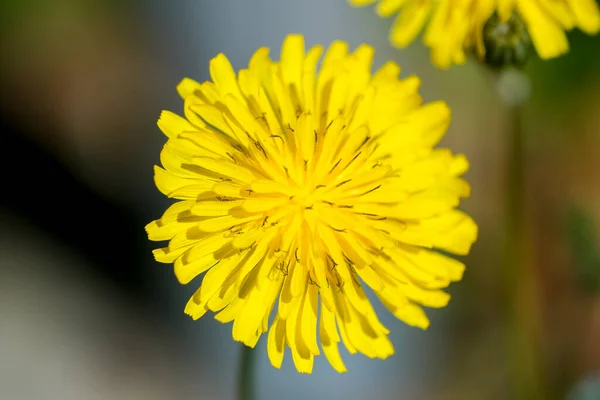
<point x="85" y="311"/>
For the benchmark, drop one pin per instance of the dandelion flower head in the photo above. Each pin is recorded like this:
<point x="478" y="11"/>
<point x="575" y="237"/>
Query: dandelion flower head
<point x="455" y="27"/>
<point x="299" y="189"/>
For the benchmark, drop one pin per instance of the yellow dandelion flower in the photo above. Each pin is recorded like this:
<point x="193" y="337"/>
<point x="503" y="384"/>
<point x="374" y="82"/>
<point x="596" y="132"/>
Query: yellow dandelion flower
<point x="300" y="189"/>
<point x="455" y="27"/>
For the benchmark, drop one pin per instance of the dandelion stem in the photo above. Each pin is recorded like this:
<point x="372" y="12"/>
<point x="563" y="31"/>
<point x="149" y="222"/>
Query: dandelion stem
<point x="519" y="280"/>
<point x="523" y="317"/>
<point x="246" y="375"/>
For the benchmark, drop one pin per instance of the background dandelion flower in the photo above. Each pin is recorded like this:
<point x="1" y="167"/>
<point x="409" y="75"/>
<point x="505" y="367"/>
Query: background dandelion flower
<point x="297" y="187"/>
<point x="455" y="27"/>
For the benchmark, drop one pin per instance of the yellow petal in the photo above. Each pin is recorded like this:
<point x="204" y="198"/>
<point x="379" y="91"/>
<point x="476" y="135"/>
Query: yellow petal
<point x="262" y="204"/>
<point x="194" y="309"/>
<point x="548" y="37"/>
<point x="361" y="2"/>
<point x="226" y="293"/>
<point x="223" y="76"/>
<point x="276" y="342"/>
<point x="246" y="325"/>
<point x="346" y="278"/>
<point x="309" y="320"/>
<point x="454" y="232"/>
<point x="329" y="342"/>
<point x="330" y="65"/>
<point x="409" y="22"/>
<point x="213" y="208"/>
<point x="342" y="318"/>
<point x="257" y="254"/>
<point x="218" y="224"/>
<point x="292" y="60"/>
<point x="429" y="263"/>
<point x="224" y="168"/>
<point x="164" y="255"/>
<point x="412" y="315"/>
<point x="167" y="182"/>
<point x="332" y="353"/>
<point x="425" y="204"/>
<point x="283" y="101"/>
<point x="232" y="311"/>
<point x="173" y="221"/>
<point x="187" y="87"/>
<point x="586" y="14"/>
<point x="505" y="9"/>
<point x="370" y="277"/>
<point x="172" y="124"/>
<point x="426" y="297"/>
<point x="301" y="355"/>
<point x="309" y="79"/>
<point x="385" y="8"/>
<point x="186" y="272"/>
<point x="216" y="276"/>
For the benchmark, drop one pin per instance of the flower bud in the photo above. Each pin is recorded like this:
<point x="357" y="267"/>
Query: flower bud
<point x="507" y="43"/>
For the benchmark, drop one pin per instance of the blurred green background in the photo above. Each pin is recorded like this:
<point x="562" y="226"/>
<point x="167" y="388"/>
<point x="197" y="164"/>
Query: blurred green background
<point x="87" y="314"/>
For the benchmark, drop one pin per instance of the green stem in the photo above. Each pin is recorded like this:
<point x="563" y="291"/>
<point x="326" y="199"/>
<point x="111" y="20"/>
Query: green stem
<point x="520" y="281"/>
<point x="246" y="375"/>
